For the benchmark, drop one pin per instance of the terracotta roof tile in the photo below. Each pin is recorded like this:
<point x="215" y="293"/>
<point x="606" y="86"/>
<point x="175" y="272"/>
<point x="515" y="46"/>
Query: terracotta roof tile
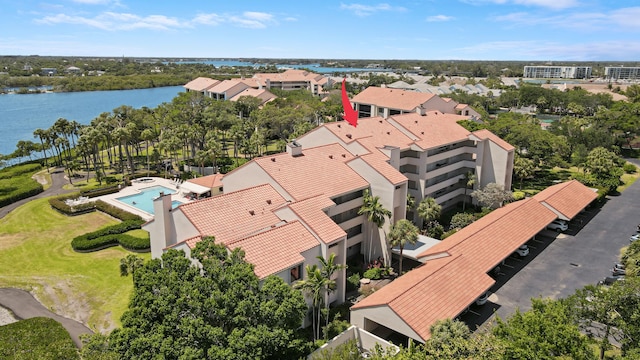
<point x="209" y="181"/>
<point x="291" y="75"/>
<point x="378" y="130"/>
<point x="486" y="134"/>
<point x="490" y="239"/>
<point x="568" y="198"/>
<point x="234" y="215"/>
<point x="226" y="85"/>
<point x="392" y="98"/>
<point x="439" y="289"/>
<point x="433" y="129"/>
<point x="201" y="84"/>
<point x="277" y="249"/>
<point x="311" y="212"/>
<point x="319" y="170"/>
<point x="262" y="94"/>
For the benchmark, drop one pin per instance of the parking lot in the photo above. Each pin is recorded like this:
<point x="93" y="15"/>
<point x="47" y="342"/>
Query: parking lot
<point x="558" y="264"/>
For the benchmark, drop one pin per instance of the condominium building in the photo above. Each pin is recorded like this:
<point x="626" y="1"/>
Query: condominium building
<point x="557" y="72"/>
<point x="622" y="73"/>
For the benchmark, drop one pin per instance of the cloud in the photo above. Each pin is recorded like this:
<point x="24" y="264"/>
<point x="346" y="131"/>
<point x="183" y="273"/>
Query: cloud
<point x="556" y="51"/>
<point x="112" y="21"/>
<point x="551" y="4"/>
<point x="620" y="19"/>
<point x="366" y="10"/>
<point x="439" y="18"/>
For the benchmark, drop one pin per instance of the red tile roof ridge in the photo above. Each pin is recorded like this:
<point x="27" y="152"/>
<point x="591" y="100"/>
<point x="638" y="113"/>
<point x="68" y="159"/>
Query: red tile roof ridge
<point x="213" y="198"/>
<point x="301" y="200"/>
<point x="260" y="232"/>
<point x="475" y="227"/>
<point x="486" y="134"/>
<point x="185" y="241"/>
<point x="412" y="278"/>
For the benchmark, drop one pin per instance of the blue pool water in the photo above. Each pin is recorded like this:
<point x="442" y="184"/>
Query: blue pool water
<point x="144" y="200"/>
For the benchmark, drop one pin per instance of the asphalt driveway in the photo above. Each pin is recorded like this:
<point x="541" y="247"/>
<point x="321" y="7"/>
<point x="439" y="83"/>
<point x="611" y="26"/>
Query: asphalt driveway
<point x="559" y="264"/>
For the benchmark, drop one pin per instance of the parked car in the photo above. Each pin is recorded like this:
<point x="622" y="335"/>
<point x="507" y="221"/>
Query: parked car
<point x="634" y="237"/>
<point x="618" y="269"/>
<point x="483" y="299"/>
<point x="609" y="280"/>
<point x="523" y="250"/>
<point x="558" y="225"/>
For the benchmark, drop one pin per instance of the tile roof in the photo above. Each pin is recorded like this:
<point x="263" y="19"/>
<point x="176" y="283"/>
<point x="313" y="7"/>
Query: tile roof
<point x="486" y="134"/>
<point x="319" y="170"/>
<point x="227" y="85"/>
<point x="291" y="75"/>
<point x="568" y="198"/>
<point x="263" y="94"/>
<point x="209" y="181"/>
<point x="277" y="249"/>
<point x="439" y="289"/>
<point x="490" y="239"/>
<point x="201" y="84"/>
<point x="392" y="98"/>
<point x="434" y="128"/>
<point x="234" y="215"/>
<point x="378" y="130"/>
<point x="311" y="212"/>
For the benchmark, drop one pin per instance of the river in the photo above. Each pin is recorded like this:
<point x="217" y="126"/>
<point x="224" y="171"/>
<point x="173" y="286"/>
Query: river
<point x="22" y="114"/>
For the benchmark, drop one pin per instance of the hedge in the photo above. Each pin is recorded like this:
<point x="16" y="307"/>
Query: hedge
<point x="116" y="212"/>
<point x="99" y="192"/>
<point x="111" y="236"/>
<point x="23" y="190"/>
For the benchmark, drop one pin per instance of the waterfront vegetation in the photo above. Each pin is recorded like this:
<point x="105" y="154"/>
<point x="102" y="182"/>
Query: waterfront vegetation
<point x="16" y="183"/>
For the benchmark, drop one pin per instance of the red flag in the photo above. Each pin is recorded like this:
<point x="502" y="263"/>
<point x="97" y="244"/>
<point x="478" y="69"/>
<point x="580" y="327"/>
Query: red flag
<point x="350" y="115"/>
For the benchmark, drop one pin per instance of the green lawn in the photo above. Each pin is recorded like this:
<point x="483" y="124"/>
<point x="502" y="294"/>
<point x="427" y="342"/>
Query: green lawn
<point x="36" y="255"/>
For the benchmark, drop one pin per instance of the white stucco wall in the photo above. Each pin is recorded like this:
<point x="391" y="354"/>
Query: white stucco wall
<point x="382" y="315"/>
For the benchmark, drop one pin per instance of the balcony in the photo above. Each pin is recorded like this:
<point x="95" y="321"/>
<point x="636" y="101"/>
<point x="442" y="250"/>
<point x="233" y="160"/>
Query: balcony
<point x="470" y="164"/>
<point x="451" y="153"/>
<point x="444" y="184"/>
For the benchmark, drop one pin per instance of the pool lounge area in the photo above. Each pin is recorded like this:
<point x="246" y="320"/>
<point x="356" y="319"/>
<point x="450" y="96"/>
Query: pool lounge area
<point x="138" y="198"/>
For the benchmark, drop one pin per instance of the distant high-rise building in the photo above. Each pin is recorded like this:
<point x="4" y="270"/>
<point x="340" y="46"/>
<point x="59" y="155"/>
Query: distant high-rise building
<point x="622" y="73"/>
<point x="557" y="72"/>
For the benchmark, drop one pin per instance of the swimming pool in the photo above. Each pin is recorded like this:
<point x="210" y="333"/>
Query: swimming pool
<point x="144" y="199"/>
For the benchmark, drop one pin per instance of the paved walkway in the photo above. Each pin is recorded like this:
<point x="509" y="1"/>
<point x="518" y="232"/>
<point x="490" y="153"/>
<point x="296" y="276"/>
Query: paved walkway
<point x="21" y="303"/>
<point x="25" y="306"/>
<point x="58" y="180"/>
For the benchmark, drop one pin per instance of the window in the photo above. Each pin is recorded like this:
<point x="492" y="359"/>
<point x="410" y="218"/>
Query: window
<point x="345" y="216"/>
<point x="347" y="197"/>
<point x="295" y="273"/>
<point x="356" y="230"/>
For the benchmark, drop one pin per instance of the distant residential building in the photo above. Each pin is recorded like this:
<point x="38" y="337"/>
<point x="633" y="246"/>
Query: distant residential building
<point x="557" y="72"/>
<point x="622" y="73"/>
<point x="385" y="102"/>
<point x="48" y="71"/>
<point x="291" y="79"/>
<point x="73" y="70"/>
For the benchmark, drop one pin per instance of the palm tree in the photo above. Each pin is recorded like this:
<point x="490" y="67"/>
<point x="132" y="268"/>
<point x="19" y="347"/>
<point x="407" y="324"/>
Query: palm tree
<point x="328" y="267"/>
<point x="402" y="232"/>
<point x="375" y="212"/>
<point x="429" y="209"/>
<point x="42" y="135"/>
<point x="129" y="264"/>
<point x="471" y="181"/>
<point x="313" y="287"/>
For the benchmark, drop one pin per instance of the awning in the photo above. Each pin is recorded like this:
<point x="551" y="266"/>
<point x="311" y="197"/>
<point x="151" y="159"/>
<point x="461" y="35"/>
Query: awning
<point x="194" y="188"/>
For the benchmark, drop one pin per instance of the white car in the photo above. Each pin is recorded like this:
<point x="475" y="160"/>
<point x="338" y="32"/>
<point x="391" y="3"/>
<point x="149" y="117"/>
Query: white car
<point x="558" y="225"/>
<point x="523" y="251"/>
<point x="634" y="237"/>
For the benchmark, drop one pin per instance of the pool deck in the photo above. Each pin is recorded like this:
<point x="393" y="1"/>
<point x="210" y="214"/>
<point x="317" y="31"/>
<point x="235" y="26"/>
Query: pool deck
<point x="135" y="189"/>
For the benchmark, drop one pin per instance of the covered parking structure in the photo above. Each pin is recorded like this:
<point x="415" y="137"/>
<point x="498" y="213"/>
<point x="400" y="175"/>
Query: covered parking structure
<point x="455" y="270"/>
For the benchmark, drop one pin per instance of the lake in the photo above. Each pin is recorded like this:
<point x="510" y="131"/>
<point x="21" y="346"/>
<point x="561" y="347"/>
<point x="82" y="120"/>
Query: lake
<point x="22" y="114"/>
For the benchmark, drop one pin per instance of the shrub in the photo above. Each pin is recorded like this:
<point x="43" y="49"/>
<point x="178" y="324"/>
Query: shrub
<point x="111" y="236"/>
<point x="375" y="273"/>
<point x="449" y="233"/>
<point x="460" y="220"/>
<point x="16" y="183"/>
<point x="629" y="168"/>
<point x="518" y="195"/>
<point x="36" y="338"/>
<point x="99" y="192"/>
<point x="353" y="282"/>
<point x="116" y="212"/>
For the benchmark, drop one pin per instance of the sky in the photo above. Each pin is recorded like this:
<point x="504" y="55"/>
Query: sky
<point x="536" y="30"/>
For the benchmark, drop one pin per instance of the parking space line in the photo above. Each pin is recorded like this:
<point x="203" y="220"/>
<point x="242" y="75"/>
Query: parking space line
<point x="516" y="259"/>
<point x="538" y="241"/>
<point x="509" y="266"/>
<point x="532" y="247"/>
<point x="474" y="313"/>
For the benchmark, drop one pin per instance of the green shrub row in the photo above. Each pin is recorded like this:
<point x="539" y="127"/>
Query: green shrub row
<point x="36" y="338"/>
<point x="116" y="212"/>
<point x="82" y="244"/>
<point x="17" y="170"/>
<point x="59" y="204"/>
<point x="99" y="192"/>
<point x="14" y="190"/>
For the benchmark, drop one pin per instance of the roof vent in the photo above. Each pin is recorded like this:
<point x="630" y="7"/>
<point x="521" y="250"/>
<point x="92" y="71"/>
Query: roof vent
<point x="349" y="136"/>
<point x="416" y="121"/>
<point x="339" y="125"/>
<point x="421" y="132"/>
<point x="380" y="121"/>
<point x="269" y="201"/>
<point x="330" y="156"/>
<point x="273" y="159"/>
<point x="388" y="132"/>
<point x="251" y="212"/>
<point x="344" y="155"/>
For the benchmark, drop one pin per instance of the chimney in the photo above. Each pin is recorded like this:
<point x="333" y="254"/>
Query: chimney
<point x="294" y="148"/>
<point x="163" y="232"/>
